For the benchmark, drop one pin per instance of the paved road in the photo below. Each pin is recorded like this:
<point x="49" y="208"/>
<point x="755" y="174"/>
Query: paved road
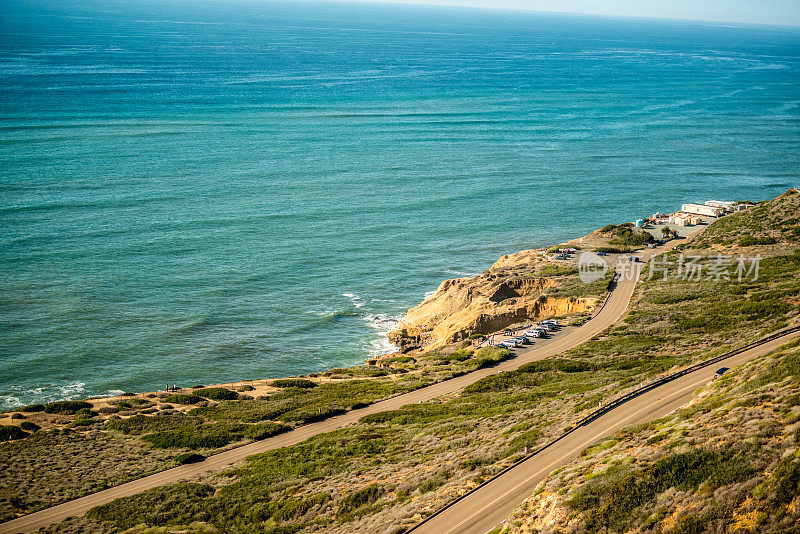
<point x="492" y="504"/>
<point x="614" y="308"/>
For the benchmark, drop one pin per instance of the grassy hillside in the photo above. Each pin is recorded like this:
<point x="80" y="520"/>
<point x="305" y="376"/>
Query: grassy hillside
<point x="772" y="222"/>
<point x="395" y="467"/>
<point x="728" y="462"/>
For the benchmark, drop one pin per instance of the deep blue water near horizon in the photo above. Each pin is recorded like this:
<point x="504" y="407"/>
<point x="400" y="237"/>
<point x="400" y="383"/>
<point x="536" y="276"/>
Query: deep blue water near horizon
<point x="199" y="192"/>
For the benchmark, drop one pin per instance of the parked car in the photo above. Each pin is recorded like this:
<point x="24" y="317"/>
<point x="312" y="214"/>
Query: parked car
<point x="721" y="371"/>
<point x="602" y="254"/>
<point x="533" y="333"/>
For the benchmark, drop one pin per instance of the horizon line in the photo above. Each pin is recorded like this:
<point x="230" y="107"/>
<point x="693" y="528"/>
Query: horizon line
<point x="435" y="3"/>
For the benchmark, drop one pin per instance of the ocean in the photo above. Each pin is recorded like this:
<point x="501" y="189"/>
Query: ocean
<point x="206" y="191"/>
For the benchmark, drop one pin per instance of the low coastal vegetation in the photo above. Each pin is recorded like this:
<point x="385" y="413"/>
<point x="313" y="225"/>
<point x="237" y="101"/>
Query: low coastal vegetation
<point x="626" y="236"/>
<point x="394" y="467"/>
<point x="54" y="466"/>
<point x="767" y="223"/>
<point x="212" y="419"/>
<point x="726" y="463"/>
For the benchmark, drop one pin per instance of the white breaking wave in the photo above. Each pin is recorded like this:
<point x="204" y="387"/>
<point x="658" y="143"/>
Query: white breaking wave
<point x="357" y="301"/>
<point x="460" y="273"/>
<point x="382" y="324"/>
<point x="43" y="394"/>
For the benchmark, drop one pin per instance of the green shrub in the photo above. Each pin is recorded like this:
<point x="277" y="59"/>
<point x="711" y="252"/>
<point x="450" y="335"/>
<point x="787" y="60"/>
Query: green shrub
<point x="786" y="480"/>
<point x="32" y="408"/>
<point x="296" y="508"/>
<point x="11" y="432"/>
<point x="624" y="235"/>
<point x="612" y="250"/>
<point x="294" y="383"/>
<point x="498" y="382"/>
<point x="612" y="499"/>
<point x="201" y="438"/>
<point x="212" y="435"/>
<point x="84" y="422"/>
<point x="264" y="430"/>
<point x="401" y="359"/>
<point x="157" y="507"/>
<point x="431" y="484"/>
<point x="217" y="393"/>
<point x="749" y="241"/>
<point x="139" y="424"/>
<point x="304" y="405"/>
<point x="352" y="502"/>
<point x="29" y="426"/>
<point x="556" y="364"/>
<point x="489" y="356"/>
<point x="180" y="398"/>
<point x="66" y="407"/>
<point x="557" y="270"/>
<point x="189" y="458"/>
<point x="457" y="356"/>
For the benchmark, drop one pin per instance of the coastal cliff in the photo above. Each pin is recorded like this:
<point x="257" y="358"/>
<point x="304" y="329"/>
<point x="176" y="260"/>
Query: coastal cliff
<point x="518" y="287"/>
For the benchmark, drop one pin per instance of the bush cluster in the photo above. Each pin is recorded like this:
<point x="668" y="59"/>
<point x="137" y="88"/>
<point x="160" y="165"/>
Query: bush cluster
<point x="216" y="393"/>
<point x="67" y="407"/>
<point x="11" y="432"/>
<point x="180" y="398"/>
<point x="294" y="383"/>
<point x="749" y="241"/>
<point x="612" y="500"/>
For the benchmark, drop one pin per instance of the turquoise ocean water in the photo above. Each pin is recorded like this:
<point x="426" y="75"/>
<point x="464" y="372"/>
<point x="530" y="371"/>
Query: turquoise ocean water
<point x="197" y="192"/>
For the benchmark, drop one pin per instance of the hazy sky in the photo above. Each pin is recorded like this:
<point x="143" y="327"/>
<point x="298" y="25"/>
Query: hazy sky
<point x="782" y="12"/>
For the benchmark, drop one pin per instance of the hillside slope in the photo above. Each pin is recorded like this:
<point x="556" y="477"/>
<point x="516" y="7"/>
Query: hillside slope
<point x="729" y="462"/>
<point x="393" y="468"/>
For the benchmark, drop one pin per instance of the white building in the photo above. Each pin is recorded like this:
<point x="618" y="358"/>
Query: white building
<point x="702" y="209"/>
<point x="724" y="204"/>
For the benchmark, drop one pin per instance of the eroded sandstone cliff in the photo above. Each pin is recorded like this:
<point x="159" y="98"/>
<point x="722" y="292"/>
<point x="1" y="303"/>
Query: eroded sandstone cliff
<point x="513" y="290"/>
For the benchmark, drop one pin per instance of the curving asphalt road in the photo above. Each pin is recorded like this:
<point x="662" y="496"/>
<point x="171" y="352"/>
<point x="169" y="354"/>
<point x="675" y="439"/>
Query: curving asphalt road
<point x="613" y="308"/>
<point x="491" y="504"/>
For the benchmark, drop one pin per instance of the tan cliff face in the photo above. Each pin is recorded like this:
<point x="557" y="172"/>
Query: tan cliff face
<point x="507" y="293"/>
